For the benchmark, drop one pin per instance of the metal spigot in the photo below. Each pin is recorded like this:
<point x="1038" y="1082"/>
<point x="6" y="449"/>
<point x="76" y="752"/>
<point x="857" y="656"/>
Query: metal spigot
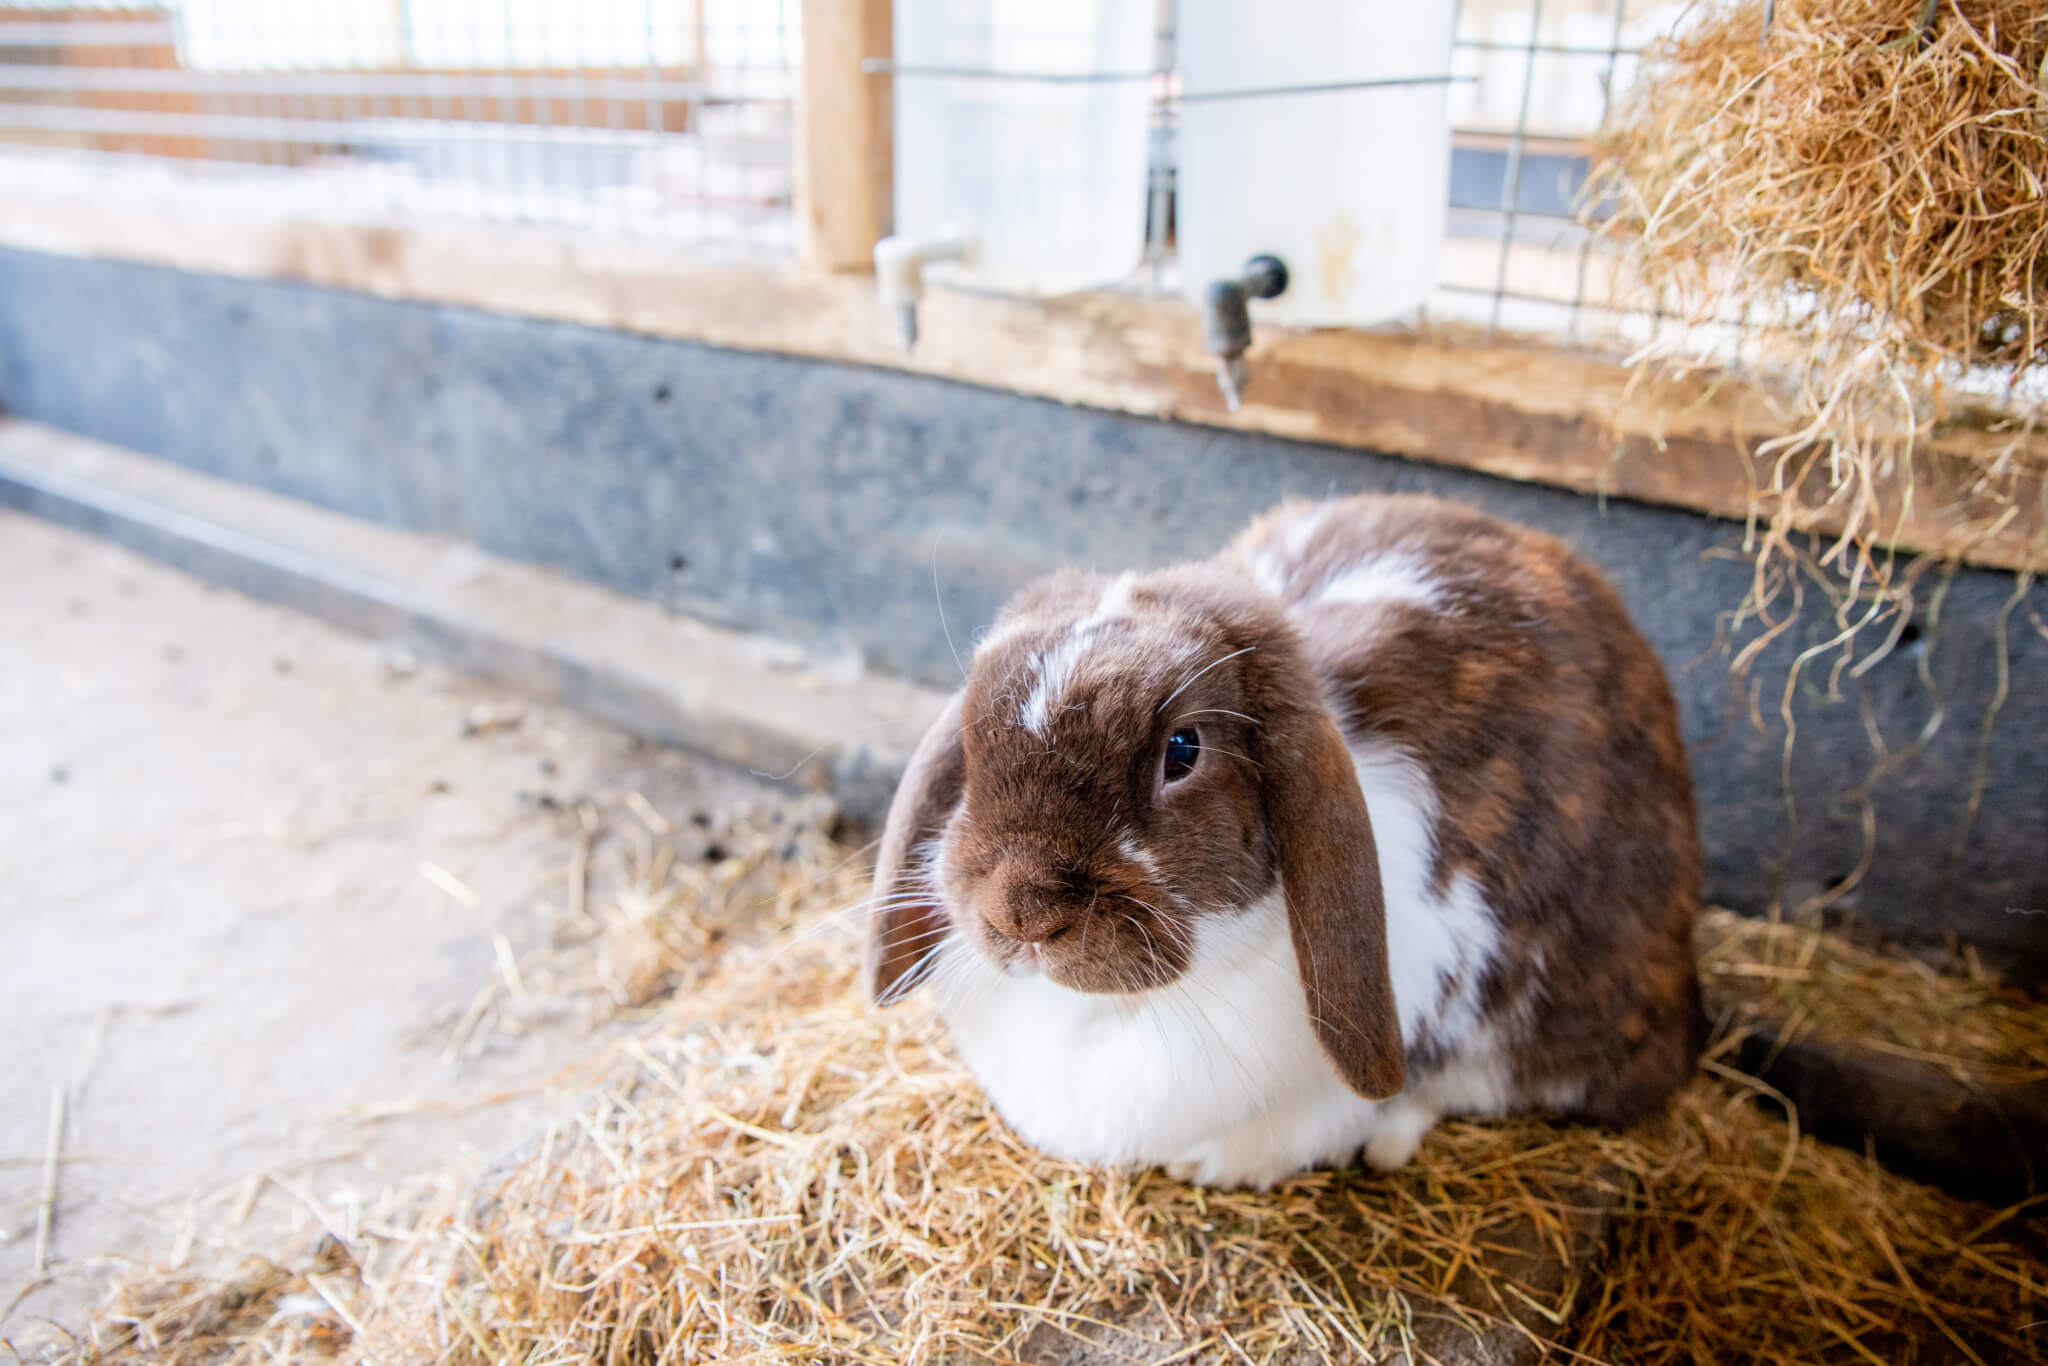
<point x="1227" y="319"/>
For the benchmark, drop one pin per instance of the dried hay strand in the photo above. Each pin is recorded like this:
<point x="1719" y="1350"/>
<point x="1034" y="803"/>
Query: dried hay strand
<point x="782" y="1173"/>
<point x="1867" y="196"/>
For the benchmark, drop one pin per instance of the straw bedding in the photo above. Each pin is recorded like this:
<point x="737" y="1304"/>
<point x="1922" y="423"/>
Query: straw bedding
<point x="779" y="1172"/>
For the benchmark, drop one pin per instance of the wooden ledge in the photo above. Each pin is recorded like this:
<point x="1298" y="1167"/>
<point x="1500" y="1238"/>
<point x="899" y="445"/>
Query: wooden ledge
<point x="1518" y="410"/>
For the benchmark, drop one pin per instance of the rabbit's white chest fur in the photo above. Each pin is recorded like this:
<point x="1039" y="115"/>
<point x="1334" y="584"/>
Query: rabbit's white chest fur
<point x="1219" y="1076"/>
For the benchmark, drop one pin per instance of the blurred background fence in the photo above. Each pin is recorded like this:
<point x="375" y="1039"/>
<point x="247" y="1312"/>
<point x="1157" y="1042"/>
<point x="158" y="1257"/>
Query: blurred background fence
<point x="668" y="120"/>
<point x="675" y="120"/>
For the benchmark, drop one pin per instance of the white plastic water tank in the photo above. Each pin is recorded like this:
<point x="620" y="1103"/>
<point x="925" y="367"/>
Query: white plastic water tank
<point x="1347" y="187"/>
<point x="1046" y="176"/>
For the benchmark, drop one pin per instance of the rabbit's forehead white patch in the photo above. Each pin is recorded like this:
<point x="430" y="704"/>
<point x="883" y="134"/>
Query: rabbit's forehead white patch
<point x="1053" y="667"/>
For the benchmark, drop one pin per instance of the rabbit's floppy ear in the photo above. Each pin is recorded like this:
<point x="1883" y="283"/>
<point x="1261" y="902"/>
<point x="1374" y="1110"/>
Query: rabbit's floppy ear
<point x="905" y="918"/>
<point x="1329" y="869"/>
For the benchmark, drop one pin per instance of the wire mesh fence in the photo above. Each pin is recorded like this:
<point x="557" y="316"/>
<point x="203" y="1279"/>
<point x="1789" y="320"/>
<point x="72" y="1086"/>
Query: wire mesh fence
<point x="676" y="120"/>
<point x="666" y="119"/>
<point x="1539" y="80"/>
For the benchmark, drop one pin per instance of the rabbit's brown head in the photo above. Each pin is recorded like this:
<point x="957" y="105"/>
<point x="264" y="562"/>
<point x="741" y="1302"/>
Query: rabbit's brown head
<point x="1128" y="756"/>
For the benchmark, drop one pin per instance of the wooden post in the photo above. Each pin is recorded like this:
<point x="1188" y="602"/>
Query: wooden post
<point x="845" y="156"/>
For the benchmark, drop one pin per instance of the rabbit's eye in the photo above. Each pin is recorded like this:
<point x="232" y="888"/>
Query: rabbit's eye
<point x="1183" y="747"/>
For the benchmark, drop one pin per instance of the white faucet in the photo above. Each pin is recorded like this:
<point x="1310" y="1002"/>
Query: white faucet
<point x="899" y="272"/>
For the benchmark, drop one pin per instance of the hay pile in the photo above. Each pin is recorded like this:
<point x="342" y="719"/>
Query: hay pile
<point x="1868" y="197"/>
<point x="1804" y="981"/>
<point x="261" y="1311"/>
<point x="1878" y="189"/>
<point x="780" y="1173"/>
<point x="1893" y="183"/>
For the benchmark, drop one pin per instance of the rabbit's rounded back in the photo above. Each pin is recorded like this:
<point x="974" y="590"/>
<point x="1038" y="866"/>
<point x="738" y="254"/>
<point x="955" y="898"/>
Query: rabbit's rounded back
<point x="1509" y="671"/>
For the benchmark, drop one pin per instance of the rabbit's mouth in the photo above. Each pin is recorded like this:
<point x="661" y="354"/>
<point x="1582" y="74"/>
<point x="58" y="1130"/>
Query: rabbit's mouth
<point x="1090" y="930"/>
<point x="1106" y="957"/>
<point x="1021" y="957"/>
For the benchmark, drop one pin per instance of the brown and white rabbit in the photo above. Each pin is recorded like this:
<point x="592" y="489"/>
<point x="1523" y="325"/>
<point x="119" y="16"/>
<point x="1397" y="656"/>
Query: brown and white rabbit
<point x="1241" y="867"/>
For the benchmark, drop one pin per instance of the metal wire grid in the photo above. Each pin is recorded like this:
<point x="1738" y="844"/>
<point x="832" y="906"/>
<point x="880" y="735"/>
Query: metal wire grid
<point x="1541" y="75"/>
<point x="675" y="119"/>
<point x="667" y="118"/>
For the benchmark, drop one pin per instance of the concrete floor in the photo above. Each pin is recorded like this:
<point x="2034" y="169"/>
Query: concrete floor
<point x="216" y="931"/>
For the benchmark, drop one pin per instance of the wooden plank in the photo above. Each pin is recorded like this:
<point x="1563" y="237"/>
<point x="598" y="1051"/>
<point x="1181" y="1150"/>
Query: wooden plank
<point x="845" y="162"/>
<point x="1518" y="410"/>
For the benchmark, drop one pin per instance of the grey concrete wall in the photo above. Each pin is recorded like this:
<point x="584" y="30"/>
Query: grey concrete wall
<point x="817" y="501"/>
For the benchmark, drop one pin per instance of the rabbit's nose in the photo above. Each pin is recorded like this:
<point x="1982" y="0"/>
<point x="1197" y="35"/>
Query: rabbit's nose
<point x="1026" y="910"/>
<point x="1040" y="923"/>
<point x="1035" y="900"/>
<point x="1029" y="918"/>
